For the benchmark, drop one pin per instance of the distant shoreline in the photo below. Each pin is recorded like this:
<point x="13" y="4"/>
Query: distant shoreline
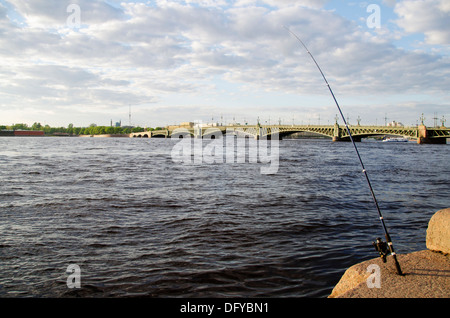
<point x="106" y="136"/>
<point x="34" y="133"/>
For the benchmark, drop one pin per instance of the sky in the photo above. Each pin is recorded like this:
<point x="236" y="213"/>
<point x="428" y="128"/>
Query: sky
<point x="164" y="62"/>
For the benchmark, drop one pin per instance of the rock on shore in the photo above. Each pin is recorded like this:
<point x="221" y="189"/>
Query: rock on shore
<point x="438" y="232"/>
<point x="426" y="273"/>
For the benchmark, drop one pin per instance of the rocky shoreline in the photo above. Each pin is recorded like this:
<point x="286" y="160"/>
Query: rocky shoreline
<point x="426" y="273"/>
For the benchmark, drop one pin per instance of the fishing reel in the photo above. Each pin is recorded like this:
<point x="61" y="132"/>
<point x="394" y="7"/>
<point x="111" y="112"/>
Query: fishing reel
<point x="382" y="248"/>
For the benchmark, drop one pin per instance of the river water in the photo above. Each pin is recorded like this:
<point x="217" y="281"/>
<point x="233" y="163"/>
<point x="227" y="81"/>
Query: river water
<point x="138" y="224"/>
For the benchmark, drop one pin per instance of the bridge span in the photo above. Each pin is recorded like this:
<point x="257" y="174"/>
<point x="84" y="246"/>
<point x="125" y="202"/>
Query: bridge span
<point x="421" y="133"/>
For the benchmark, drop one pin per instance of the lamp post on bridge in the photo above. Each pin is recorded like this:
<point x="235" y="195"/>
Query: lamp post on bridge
<point x="422" y="118"/>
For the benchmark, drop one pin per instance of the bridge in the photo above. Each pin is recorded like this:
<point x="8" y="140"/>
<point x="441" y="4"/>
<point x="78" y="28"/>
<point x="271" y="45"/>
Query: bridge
<point x="421" y="133"/>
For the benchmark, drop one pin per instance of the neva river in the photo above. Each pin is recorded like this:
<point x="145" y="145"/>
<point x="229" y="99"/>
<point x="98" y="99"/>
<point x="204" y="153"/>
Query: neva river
<point x="138" y="224"/>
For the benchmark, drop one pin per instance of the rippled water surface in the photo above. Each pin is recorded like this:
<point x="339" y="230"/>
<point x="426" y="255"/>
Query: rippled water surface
<point x="139" y="224"/>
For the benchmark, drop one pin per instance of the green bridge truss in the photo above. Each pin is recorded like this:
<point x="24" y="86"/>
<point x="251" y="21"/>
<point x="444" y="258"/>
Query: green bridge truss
<point x="337" y="133"/>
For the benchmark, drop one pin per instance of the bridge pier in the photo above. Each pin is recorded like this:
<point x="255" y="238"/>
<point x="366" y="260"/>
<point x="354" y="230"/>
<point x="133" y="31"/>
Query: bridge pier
<point x="435" y="141"/>
<point x="424" y="138"/>
<point x="260" y="133"/>
<point x="338" y="132"/>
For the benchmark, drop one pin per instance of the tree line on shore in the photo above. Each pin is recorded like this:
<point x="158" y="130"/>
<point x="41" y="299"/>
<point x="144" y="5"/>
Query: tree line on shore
<point x="92" y="129"/>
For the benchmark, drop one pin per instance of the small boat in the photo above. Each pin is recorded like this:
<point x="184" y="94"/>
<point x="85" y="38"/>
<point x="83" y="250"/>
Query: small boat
<point x="395" y="139"/>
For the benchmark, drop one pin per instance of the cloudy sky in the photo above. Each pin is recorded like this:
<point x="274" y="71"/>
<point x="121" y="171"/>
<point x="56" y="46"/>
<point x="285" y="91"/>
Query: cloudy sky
<point x="84" y="62"/>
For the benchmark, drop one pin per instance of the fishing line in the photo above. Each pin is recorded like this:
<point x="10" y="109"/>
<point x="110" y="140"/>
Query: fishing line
<point x="378" y="245"/>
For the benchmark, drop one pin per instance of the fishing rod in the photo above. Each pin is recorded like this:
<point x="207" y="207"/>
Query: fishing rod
<point x="382" y="247"/>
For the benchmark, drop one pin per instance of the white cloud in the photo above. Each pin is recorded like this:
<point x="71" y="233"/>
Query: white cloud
<point x="390" y="3"/>
<point x="430" y="17"/>
<point x="54" y="13"/>
<point x="283" y="3"/>
<point x="133" y="53"/>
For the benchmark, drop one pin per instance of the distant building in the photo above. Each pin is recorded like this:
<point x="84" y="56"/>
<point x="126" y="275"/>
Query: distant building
<point x="210" y="125"/>
<point x="395" y="124"/>
<point x="187" y="125"/>
<point x="28" y="133"/>
<point x="182" y="125"/>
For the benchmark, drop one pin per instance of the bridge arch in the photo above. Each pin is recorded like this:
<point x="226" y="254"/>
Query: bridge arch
<point x="284" y="131"/>
<point x="181" y="133"/>
<point x="213" y="133"/>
